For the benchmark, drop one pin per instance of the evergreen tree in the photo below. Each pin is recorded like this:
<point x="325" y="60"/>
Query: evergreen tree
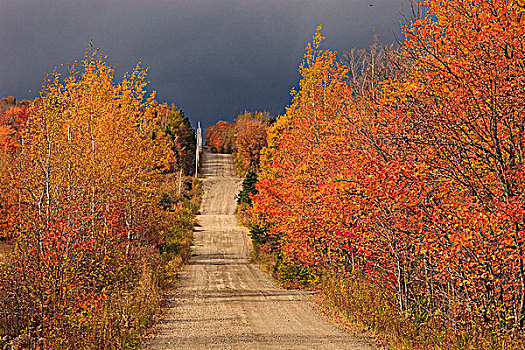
<point x="248" y="186"/>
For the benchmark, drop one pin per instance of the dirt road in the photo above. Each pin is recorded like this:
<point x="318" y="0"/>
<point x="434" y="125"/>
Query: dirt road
<point x="224" y="302"/>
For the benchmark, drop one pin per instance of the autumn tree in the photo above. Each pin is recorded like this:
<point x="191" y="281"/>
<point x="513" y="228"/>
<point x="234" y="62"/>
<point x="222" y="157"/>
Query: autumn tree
<point x="369" y="67"/>
<point x="460" y="107"/>
<point x="87" y="194"/>
<point x="411" y="177"/>
<point x="176" y="126"/>
<point x="245" y="138"/>
<point x="12" y="124"/>
<point x="10" y="102"/>
<point x="298" y="187"/>
<point x="250" y="138"/>
<point x="220" y="137"/>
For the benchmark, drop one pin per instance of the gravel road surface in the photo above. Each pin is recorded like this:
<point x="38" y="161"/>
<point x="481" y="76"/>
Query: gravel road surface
<point x="224" y="302"/>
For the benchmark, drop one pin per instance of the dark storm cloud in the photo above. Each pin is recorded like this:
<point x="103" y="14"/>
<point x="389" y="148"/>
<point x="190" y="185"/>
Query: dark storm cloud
<point x="212" y="58"/>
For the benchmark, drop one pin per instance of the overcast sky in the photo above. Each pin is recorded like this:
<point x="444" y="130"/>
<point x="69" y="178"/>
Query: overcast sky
<point x="213" y="58"/>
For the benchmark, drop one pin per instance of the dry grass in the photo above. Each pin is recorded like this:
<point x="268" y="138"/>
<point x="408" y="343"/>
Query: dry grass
<point x="362" y="304"/>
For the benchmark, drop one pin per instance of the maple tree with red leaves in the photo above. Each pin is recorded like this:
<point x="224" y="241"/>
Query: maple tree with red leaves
<point x="412" y="180"/>
<point x="12" y="123"/>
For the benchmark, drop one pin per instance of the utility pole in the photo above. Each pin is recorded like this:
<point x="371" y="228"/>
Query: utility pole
<point x="198" y="148"/>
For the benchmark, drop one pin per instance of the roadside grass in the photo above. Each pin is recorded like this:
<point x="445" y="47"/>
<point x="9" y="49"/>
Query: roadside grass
<point x="363" y="305"/>
<point x="368" y="312"/>
<point x="265" y="260"/>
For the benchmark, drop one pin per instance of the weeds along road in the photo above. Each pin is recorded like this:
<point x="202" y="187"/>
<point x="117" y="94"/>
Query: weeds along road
<point x="224" y="302"/>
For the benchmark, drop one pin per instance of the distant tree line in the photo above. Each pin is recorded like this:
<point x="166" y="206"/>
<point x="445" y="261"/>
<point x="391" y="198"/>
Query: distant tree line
<point x="245" y="138"/>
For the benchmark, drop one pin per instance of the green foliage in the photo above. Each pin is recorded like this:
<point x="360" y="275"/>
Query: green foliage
<point x="248" y="187"/>
<point x="176" y="243"/>
<point x="259" y="234"/>
<point x="293" y="275"/>
<point x="183" y="141"/>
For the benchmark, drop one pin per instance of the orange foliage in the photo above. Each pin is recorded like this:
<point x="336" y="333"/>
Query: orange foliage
<point x="418" y="182"/>
<point x="245" y="137"/>
<point x="12" y="124"/>
<point x="219" y="137"/>
<point x="85" y="175"/>
<point x="250" y="138"/>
